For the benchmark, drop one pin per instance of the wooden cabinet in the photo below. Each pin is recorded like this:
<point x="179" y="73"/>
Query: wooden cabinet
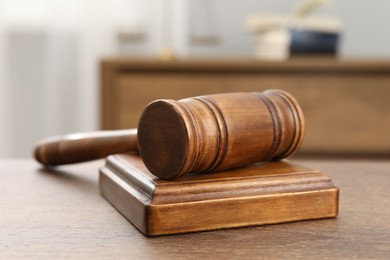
<point x="346" y="103"/>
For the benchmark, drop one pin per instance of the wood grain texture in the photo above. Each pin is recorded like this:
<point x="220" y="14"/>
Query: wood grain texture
<point x="60" y="214"/>
<point x="268" y="193"/>
<point x="218" y="132"/>
<point x="343" y="100"/>
<point x="81" y="147"/>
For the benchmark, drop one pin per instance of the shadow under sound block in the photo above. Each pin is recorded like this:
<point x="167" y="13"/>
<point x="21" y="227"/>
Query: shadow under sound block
<point x="266" y="193"/>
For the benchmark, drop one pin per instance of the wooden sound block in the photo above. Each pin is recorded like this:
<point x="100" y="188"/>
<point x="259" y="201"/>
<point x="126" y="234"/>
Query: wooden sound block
<point x="272" y="192"/>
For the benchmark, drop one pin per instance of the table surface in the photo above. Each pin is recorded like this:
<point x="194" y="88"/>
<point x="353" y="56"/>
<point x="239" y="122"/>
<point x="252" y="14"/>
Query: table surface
<point x="60" y="214"/>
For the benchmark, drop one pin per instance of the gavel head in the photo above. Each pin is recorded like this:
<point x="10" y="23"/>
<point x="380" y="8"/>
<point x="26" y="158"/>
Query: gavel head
<point x="218" y="132"/>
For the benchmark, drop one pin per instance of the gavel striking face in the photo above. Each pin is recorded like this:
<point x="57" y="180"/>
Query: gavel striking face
<point x="199" y="134"/>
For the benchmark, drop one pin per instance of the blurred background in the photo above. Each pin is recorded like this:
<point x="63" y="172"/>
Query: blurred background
<point x="83" y="65"/>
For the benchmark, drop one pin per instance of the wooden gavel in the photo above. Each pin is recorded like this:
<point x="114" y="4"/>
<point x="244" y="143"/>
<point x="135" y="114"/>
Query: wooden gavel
<point x="198" y="134"/>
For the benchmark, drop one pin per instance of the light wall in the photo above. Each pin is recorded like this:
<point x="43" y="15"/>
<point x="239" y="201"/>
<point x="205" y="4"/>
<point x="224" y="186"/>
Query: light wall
<point x="365" y="27"/>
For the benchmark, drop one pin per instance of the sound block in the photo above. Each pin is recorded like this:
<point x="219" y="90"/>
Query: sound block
<point x="267" y="193"/>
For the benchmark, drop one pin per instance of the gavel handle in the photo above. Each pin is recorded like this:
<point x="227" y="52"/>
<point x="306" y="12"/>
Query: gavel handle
<point x="81" y="147"/>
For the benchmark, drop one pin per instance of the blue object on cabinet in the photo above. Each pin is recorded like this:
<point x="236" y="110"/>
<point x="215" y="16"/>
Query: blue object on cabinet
<point x="313" y="42"/>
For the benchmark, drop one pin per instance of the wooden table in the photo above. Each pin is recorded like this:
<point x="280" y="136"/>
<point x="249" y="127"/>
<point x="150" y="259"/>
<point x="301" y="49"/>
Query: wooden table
<point x="46" y="214"/>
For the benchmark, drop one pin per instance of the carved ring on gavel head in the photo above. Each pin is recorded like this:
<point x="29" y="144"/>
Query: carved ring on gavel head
<point x="199" y="134"/>
<point x="218" y="132"/>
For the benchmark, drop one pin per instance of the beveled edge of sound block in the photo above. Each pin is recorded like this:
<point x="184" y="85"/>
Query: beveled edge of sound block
<point x="273" y="192"/>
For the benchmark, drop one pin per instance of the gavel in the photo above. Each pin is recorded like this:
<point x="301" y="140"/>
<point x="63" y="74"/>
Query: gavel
<point x="198" y="134"/>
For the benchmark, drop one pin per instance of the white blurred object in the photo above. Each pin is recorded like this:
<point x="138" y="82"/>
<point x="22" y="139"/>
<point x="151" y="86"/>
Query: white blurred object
<point x="272" y="36"/>
<point x="203" y="28"/>
<point x="130" y="24"/>
<point x="166" y="51"/>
